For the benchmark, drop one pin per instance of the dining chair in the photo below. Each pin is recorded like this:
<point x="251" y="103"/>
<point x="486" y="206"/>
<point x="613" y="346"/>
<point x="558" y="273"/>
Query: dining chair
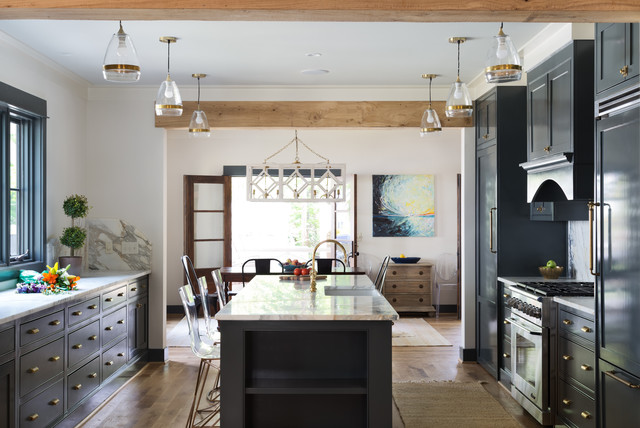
<point x="325" y="266"/>
<point x="262" y="267"/>
<point x="192" y="280"/>
<point x="212" y="331"/>
<point x="222" y="295"/>
<point x="446" y="275"/>
<point x="209" y="354"/>
<point x="382" y="273"/>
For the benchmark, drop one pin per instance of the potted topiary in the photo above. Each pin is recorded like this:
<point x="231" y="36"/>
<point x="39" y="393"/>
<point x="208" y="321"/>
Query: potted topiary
<point x="75" y="206"/>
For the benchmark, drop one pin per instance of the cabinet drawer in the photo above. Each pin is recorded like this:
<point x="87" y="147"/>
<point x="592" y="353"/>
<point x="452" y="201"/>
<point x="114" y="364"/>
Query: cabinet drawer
<point x="83" y="342"/>
<point x="7" y="340"/>
<point x="505" y="358"/>
<point x="37" y="367"/>
<point x="577" y="362"/>
<point x="114" y="325"/>
<point x="137" y="288"/>
<point x="114" y="298"/>
<point x="576" y="408"/>
<point x="44" y="408"/>
<point x="577" y="325"/>
<point x="83" y="311"/>
<point x="507" y="326"/>
<point x="413" y="272"/>
<point x="414" y="287"/>
<point x="82" y="382"/>
<point x="410" y="302"/>
<point x="41" y="327"/>
<point x="114" y="358"/>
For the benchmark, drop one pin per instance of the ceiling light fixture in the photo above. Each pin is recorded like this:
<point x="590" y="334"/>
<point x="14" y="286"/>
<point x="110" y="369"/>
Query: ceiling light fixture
<point x="168" y="100"/>
<point x="459" y="102"/>
<point x="503" y="61"/>
<point x="296" y="182"/>
<point x="120" y="62"/>
<point x="430" y="120"/>
<point x="199" y="125"/>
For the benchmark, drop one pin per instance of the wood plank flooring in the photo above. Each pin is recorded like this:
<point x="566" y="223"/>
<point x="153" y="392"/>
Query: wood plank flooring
<point x="160" y="395"/>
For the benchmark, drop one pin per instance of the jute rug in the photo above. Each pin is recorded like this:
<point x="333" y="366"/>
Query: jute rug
<point x="416" y="332"/>
<point x="449" y="405"/>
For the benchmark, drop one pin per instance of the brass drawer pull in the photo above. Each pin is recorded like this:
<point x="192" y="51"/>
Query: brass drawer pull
<point x="109" y="299"/>
<point x="77" y="313"/>
<point x="567" y="322"/>
<point x="485" y="136"/>
<point x="120" y="354"/>
<point x="55" y="322"/>
<point x="567" y="357"/>
<point x="93" y="307"/>
<point x="120" y="294"/>
<point x="93" y="375"/>
<point x="134" y="289"/>
<point x="505" y="355"/>
<point x="120" y="321"/>
<point x="33" y="369"/>
<point x="612" y="374"/>
<point x="540" y="209"/>
<point x="33" y="417"/>
<point x="54" y="402"/>
<point x="586" y="329"/>
<point x="566" y="402"/>
<point x="76" y="387"/>
<point x="33" y="331"/>
<point x="547" y="149"/>
<point x="624" y="71"/>
<point x="78" y="346"/>
<point x="54" y="359"/>
<point x="586" y="415"/>
<point x="585" y="367"/>
<point x="507" y="322"/>
<point x="109" y="328"/>
<point x="94" y="337"/>
<point x="506" y="296"/>
<point x="139" y="305"/>
<point x="108" y="363"/>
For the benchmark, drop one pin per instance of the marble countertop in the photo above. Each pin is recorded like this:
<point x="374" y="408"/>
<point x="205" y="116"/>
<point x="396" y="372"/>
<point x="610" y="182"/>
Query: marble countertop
<point x="583" y="304"/>
<point x="266" y="297"/>
<point x="14" y="305"/>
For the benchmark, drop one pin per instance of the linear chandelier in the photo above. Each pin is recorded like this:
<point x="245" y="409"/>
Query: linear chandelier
<point x="296" y="181"/>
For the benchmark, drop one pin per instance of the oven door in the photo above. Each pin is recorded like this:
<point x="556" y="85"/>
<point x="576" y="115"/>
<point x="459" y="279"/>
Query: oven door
<point x="527" y="360"/>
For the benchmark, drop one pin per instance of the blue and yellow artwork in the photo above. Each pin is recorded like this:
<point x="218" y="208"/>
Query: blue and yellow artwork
<point x="403" y="205"/>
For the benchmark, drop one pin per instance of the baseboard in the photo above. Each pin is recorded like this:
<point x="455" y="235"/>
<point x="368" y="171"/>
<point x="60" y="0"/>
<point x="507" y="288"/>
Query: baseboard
<point x="175" y="309"/>
<point x="468" y="355"/>
<point x="159" y="355"/>
<point x="448" y="309"/>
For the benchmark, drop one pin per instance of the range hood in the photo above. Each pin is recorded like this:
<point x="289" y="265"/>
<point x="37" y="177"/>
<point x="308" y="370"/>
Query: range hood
<point x="558" y="185"/>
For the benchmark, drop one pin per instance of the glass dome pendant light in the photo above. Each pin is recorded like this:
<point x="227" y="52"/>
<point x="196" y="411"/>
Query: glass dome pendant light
<point x="120" y="62"/>
<point x="168" y="100"/>
<point x="459" y="102"/>
<point x="199" y="125"/>
<point x="430" y="121"/>
<point x="503" y="61"/>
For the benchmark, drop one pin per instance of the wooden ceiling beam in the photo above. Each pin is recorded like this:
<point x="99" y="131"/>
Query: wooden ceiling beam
<point x="311" y="114"/>
<point x="328" y="10"/>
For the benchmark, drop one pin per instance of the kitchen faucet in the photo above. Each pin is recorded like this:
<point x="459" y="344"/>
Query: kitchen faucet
<point x="313" y="273"/>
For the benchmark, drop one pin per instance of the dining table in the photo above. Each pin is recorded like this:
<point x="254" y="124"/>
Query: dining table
<point x="231" y="274"/>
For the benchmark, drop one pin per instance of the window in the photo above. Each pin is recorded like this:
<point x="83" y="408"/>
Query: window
<point x="22" y="230"/>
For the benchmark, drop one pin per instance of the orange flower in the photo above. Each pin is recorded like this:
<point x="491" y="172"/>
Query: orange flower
<point x="50" y="277"/>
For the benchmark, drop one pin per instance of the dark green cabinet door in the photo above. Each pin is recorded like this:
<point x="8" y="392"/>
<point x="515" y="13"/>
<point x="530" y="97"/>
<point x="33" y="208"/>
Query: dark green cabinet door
<point x="138" y="329"/>
<point x="619" y="397"/>
<point x="539" y="138"/>
<point x="561" y="108"/>
<point x="7" y="396"/>
<point x="486" y="121"/>
<point x="616" y="54"/>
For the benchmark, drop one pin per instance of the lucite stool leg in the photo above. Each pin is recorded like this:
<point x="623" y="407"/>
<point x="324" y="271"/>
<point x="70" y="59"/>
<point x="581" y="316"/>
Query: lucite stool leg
<point x="213" y="408"/>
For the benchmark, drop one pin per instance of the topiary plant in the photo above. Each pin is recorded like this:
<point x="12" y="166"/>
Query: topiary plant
<point x="75" y="206"/>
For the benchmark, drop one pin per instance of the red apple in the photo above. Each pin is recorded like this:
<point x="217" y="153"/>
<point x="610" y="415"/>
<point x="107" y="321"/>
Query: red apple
<point x="304" y="271"/>
<point x="297" y="271"/>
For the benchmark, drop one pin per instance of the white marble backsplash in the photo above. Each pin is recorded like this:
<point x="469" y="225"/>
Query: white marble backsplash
<point x="578" y="236"/>
<point x="114" y="244"/>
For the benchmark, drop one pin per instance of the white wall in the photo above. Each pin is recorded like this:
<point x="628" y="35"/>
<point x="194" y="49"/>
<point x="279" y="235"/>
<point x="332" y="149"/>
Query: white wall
<point x="364" y="151"/>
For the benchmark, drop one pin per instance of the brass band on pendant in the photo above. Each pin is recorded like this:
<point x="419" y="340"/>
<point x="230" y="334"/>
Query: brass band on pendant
<point x="503" y="67"/>
<point x="430" y="129"/>
<point x="459" y="107"/>
<point x="199" y="130"/>
<point x="121" y="67"/>
<point x="168" y="106"/>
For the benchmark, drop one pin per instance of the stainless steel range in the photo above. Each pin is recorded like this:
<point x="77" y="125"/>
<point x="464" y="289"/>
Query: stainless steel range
<point x="533" y="341"/>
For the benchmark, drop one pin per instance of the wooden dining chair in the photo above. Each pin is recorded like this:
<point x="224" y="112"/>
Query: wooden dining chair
<point x="324" y="266"/>
<point x="262" y="267"/>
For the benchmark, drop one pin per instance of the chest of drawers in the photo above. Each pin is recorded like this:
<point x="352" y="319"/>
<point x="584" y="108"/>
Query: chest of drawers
<point x="408" y="287"/>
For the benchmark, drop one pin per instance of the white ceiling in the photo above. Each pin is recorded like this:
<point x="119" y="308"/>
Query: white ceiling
<point x="273" y="53"/>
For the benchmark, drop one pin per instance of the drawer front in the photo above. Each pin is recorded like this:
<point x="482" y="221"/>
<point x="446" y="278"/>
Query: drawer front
<point x="410" y="302"/>
<point x="37" y="367"/>
<point x="506" y="323"/>
<point x="577" y="362"/>
<point x="114" y="325"/>
<point x="41" y="327"/>
<point x="575" y="407"/>
<point x="414" y="287"/>
<point x="7" y="340"/>
<point x="82" y="382"/>
<point x="44" y="408"/>
<point x="505" y="358"/>
<point x="114" y="298"/>
<point x="83" y="311"/>
<point x="83" y="342"/>
<point x="413" y="272"/>
<point x="114" y="358"/>
<point x="137" y="288"/>
<point x="577" y="325"/>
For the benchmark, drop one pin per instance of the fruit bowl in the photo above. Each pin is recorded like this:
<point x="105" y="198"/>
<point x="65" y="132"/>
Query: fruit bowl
<point x="290" y="268"/>
<point x="551" y="273"/>
<point x="405" y="259"/>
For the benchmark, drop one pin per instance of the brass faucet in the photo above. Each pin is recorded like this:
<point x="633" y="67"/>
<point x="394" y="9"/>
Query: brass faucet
<point x="313" y="272"/>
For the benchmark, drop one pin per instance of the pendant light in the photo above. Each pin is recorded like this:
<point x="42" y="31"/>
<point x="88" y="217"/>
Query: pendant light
<point x="168" y="100"/>
<point x="430" y="120"/>
<point x="503" y="61"/>
<point x="199" y="125"/>
<point x="459" y="101"/>
<point x="121" y="60"/>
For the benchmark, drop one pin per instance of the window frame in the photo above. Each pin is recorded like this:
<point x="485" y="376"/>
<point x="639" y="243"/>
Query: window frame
<point x="30" y="113"/>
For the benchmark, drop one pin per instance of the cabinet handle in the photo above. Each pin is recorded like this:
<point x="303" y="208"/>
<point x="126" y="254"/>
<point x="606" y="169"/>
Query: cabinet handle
<point x="586" y="415"/>
<point x="585" y="367"/>
<point x="33" y="417"/>
<point x="54" y="402"/>
<point x="94" y="337"/>
<point x="109" y="328"/>
<point x="592" y="206"/>
<point x="93" y="307"/>
<point x="566" y="402"/>
<point x="491" y="230"/>
<point x="33" y="369"/>
<point x="505" y="355"/>
<point x="77" y="313"/>
<point x="539" y="209"/>
<point x="120" y="294"/>
<point x="76" y="387"/>
<point x="93" y="375"/>
<point x="547" y="149"/>
<point x="393" y="272"/>
<point x="612" y="374"/>
<point x="507" y="322"/>
<point x="485" y="136"/>
<point x="120" y="354"/>
<point x="393" y="286"/>
<point x="421" y="273"/>
<point x="567" y="322"/>
<point x="120" y="321"/>
<point x="54" y="322"/>
<point x="421" y="300"/>
<point x="78" y="346"/>
<point x="506" y="296"/>
<point x="108" y="363"/>
<point x="624" y="71"/>
<point x="394" y="299"/>
<point x="139" y="305"/>
<point x="421" y="286"/>
<point x="567" y="357"/>
<point x="33" y="331"/>
<point x="54" y="359"/>
<point x="109" y="299"/>
<point x="134" y="288"/>
<point x="586" y="329"/>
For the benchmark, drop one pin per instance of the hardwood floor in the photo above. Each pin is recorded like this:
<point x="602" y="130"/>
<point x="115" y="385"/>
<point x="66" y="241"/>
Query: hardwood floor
<point x="160" y="395"/>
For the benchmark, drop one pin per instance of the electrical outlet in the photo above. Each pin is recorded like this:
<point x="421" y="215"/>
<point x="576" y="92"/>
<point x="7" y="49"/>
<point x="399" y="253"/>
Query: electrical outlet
<point x="129" y="247"/>
<point x="108" y="246"/>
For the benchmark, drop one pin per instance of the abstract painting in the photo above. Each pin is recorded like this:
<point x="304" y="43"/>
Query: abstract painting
<point x="403" y="205"/>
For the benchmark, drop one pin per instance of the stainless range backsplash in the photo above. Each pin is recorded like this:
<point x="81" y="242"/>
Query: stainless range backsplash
<point x="578" y="245"/>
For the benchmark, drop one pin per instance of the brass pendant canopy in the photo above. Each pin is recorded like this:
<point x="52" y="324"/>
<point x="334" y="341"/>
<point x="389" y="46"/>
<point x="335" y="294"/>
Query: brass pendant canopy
<point x="199" y="125"/>
<point x="430" y="121"/>
<point x="121" y="62"/>
<point x="459" y="103"/>
<point x="168" y="100"/>
<point x="503" y="61"/>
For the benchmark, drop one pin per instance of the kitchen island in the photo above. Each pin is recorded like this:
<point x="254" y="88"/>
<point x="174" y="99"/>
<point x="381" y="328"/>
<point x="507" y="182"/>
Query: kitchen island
<point x="294" y="358"/>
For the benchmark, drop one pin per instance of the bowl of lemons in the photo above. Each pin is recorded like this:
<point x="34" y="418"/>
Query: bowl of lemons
<point x="551" y="270"/>
<point x="405" y="259"/>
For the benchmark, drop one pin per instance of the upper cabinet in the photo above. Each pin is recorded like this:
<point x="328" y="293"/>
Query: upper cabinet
<point x="486" y="120"/>
<point x="560" y="102"/>
<point x="617" y="48"/>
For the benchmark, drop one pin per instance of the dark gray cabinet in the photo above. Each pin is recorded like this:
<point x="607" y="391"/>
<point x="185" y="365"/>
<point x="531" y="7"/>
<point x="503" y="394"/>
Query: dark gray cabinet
<point x="617" y="54"/>
<point x="7" y="395"/>
<point x="507" y="243"/>
<point x="485" y="120"/>
<point x="619" y="397"/>
<point x="559" y="104"/>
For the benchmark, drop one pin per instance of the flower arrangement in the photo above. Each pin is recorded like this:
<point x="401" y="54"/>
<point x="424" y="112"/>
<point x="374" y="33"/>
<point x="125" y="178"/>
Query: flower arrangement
<point x="52" y="281"/>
